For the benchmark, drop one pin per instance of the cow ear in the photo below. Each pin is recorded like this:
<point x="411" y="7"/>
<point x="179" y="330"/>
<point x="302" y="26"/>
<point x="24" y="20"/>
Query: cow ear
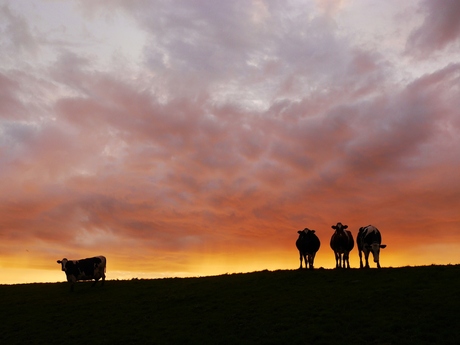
<point x="299" y="232"/>
<point x="345" y="226"/>
<point x="333" y="227"/>
<point x="59" y="261"/>
<point x="312" y="231"/>
<point x="383" y="246"/>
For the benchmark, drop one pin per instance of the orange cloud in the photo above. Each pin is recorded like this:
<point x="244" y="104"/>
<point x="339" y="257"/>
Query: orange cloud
<point x="209" y="154"/>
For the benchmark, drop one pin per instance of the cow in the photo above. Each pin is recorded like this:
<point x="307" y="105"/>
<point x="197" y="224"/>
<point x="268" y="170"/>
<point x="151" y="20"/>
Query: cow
<point x="84" y="269"/>
<point x="369" y="240"/>
<point x="307" y="244"/>
<point x="342" y="243"/>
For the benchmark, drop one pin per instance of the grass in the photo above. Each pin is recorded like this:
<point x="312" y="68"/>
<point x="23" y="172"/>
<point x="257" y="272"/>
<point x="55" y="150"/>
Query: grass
<point x="412" y="305"/>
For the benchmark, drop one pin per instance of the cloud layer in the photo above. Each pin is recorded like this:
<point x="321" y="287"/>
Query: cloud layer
<point x="190" y="137"/>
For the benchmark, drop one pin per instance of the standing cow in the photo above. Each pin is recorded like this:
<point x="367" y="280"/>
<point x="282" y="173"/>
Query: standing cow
<point x="342" y="243"/>
<point x="369" y="240"/>
<point x="307" y="244"/>
<point x="84" y="269"/>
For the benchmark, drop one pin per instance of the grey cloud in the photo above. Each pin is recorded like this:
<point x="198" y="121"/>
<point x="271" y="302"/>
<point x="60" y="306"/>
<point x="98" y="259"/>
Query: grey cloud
<point x="110" y="154"/>
<point x="16" y="33"/>
<point x="10" y="106"/>
<point x="440" y="28"/>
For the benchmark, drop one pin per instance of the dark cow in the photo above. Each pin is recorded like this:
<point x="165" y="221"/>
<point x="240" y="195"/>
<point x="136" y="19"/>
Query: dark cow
<point x="369" y="241"/>
<point x="307" y="244"/>
<point x="342" y="243"/>
<point x="84" y="269"/>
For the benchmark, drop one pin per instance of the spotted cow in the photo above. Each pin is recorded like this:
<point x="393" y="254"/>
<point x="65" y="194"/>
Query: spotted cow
<point x="84" y="269"/>
<point x="369" y="241"/>
<point x="307" y="244"/>
<point x="342" y="243"/>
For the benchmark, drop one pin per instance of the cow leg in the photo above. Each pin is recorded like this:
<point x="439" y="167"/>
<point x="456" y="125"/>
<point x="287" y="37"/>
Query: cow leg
<point x="366" y="256"/>
<point x="341" y="260"/>
<point x="346" y="261"/>
<point x="95" y="281"/>
<point x="103" y="278"/>
<point x="376" y="261"/>
<point x="360" y="259"/>
<point x="311" y="260"/>
<point x="300" y="258"/>
<point x="71" y="279"/>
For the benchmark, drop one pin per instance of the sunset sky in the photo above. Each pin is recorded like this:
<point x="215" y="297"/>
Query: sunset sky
<point x="195" y="137"/>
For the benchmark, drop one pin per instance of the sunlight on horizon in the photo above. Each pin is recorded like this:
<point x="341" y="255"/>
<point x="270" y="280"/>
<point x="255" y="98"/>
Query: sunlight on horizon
<point x="20" y="275"/>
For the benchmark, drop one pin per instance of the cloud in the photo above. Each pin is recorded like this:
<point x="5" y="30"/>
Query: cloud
<point x="237" y="126"/>
<point x="440" y="28"/>
<point x="18" y="34"/>
<point x="10" y="106"/>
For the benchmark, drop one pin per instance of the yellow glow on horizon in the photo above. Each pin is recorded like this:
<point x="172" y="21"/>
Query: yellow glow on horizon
<point x="217" y="264"/>
<point x="18" y="275"/>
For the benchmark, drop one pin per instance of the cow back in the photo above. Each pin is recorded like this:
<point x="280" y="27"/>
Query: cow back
<point x="86" y="269"/>
<point x="342" y="241"/>
<point x="308" y="242"/>
<point x="368" y="235"/>
<point x="351" y="241"/>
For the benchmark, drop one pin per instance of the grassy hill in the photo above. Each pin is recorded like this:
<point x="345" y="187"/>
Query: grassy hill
<point x="412" y="305"/>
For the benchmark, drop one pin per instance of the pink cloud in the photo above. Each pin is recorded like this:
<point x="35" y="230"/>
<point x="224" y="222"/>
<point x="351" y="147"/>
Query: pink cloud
<point x="297" y="126"/>
<point x="440" y="28"/>
<point x="10" y="106"/>
<point x="20" y="38"/>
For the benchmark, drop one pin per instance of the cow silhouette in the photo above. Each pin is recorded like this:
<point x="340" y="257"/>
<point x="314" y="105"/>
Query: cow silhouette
<point x="342" y="243"/>
<point x="84" y="269"/>
<point x="307" y="244"/>
<point x="369" y="241"/>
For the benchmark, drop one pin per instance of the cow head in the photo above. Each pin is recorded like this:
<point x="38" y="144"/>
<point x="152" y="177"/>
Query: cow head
<point x="375" y="249"/>
<point x="305" y="232"/>
<point x="339" y="227"/>
<point x="63" y="262"/>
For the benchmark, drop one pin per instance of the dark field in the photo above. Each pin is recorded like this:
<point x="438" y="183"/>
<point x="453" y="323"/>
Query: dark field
<point x="413" y="305"/>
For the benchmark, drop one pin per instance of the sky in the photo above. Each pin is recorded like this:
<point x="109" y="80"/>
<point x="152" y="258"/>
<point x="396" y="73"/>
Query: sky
<point x="196" y="137"/>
